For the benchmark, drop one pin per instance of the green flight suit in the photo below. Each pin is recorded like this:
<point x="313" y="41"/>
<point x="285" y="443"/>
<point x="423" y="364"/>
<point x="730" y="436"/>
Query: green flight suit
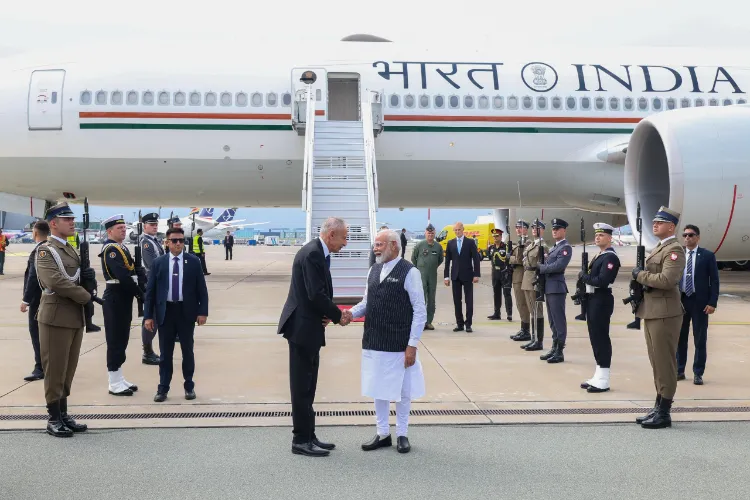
<point x="427" y="258"/>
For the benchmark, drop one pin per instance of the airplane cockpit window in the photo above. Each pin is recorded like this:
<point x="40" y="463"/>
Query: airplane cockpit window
<point x="442" y="235"/>
<point x="163" y="98"/>
<point x="685" y="103"/>
<point x="512" y="102"/>
<point x="484" y="102"/>
<point x="101" y="97"/>
<point x="132" y="98"/>
<point x="439" y="101"/>
<point x="671" y="103"/>
<point x="642" y="104"/>
<point x="395" y="100"/>
<point x="528" y="103"/>
<point x="713" y="102"/>
<point x="424" y="101"/>
<point x="727" y="102"/>
<point x="541" y="102"/>
<point x="409" y="101"/>
<point x="195" y="98"/>
<point x="179" y="98"/>
<point x="271" y="99"/>
<point x="656" y="104"/>
<point x="453" y="101"/>
<point x="498" y="102"/>
<point x="116" y="98"/>
<point x="148" y="98"/>
<point x="614" y="103"/>
<point x="585" y="103"/>
<point x="627" y="103"/>
<point x="556" y="103"/>
<point x="286" y="99"/>
<point x="85" y="97"/>
<point x="599" y="103"/>
<point x="240" y="99"/>
<point x="257" y="99"/>
<point x="699" y="102"/>
<point x="570" y="103"/>
<point x="468" y="101"/>
<point x="210" y="99"/>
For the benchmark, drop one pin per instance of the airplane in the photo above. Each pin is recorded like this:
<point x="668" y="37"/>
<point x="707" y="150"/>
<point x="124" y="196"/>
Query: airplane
<point x="594" y="129"/>
<point x="202" y="220"/>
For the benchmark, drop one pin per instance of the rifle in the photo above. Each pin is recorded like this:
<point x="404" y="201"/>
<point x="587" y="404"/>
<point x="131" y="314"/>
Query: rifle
<point x="580" y="296"/>
<point x="509" y="252"/>
<point x="539" y="283"/>
<point x="83" y="248"/>
<point x="636" y="289"/>
<point x="139" y="264"/>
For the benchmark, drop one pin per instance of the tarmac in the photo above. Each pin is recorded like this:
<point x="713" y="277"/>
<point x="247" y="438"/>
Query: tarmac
<point x="479" y="378"/>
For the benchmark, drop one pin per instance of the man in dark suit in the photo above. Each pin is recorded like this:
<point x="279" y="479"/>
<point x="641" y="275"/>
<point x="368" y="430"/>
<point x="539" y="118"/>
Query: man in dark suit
<point x="32" y="294"/>
<point x="308" y="309"/>
<point x="403" y="242"/>
<point x="176" y="298"/>
<point x="464" y="255"/>
<point x="228" y="245"/>
<point x="700" y="294"/>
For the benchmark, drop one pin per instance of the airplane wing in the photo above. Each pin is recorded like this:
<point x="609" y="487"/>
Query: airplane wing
<point x="240" y="226"/>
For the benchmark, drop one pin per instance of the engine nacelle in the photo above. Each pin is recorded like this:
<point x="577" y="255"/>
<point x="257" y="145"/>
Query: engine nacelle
<point x="697" y="162"/>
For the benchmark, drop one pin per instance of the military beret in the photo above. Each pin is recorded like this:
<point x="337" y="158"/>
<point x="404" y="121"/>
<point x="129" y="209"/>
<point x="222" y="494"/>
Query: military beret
<point x="602" y="227"/>
<point x="152" y="217"/>
<point x="59" y="210"/>
<point x="114" y="220"/>
<point x="666" y="214"/>
<point x="558" y="224"/>
<point x="522" y="223"/>
<point x="430" y="228"/>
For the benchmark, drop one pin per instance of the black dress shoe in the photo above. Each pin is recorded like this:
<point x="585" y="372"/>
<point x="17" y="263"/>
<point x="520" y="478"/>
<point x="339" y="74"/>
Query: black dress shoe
<point x="126" y="392"/>
<point x="510" y="319"/>
<point x="535" y="346"/>
<point x="150" y="358"/>
<point x="309" y="450"/>
<point x="402" y="444"/>
<point x="55" y="426"/>
<point x="377" y="442"/>
<point x="160" y="397"/>
<point x="428" y="326"/>
<point x="468" y="329"/>
<point x="93" y="328"/>
<point x="493" y="316"/>
<point x="189" y="395"/>
<point x="35" y="375"/>
<point x="698" y="380"/>
<point x="458" y="329"/>
<point x="680" y="376"/>
<point x="585" y="385"/>
<point x="320" y="444"/>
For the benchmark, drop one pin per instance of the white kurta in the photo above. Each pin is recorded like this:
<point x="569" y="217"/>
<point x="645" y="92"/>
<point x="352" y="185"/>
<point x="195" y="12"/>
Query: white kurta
<point x="384" y="373"/>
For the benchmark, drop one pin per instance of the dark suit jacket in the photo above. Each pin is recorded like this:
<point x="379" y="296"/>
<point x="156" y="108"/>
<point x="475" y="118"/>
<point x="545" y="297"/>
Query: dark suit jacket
<point x="194" y="291"/>
<point x="466" y="265"/>
<point x="229" y="241"/>
<point x="32" y="294"/>
<point x="706" y="278"/>
<point x="310" y="298"/>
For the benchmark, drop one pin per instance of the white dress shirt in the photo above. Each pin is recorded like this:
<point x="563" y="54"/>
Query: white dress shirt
<point x="413" y="286"/>
<point x="170" y="267"/>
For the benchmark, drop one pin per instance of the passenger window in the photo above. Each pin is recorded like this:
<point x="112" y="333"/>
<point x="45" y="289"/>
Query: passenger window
<point x="101" y="97"/>
<point x="211" y="99"/>
<point x="699" y="103"/>
<point x="116" y="98"/>
<point x="671" y="103"/>
<point x="409" y="101"/>
<point x="286" y="99"/>
<point x="132" y="98"/>
<point x="85" y="97"/>
<point x="395" y="100"/>
<point x="713" y="102"/>
<point x="656" y="104"/>
<point x="179" y="98"/>
<point x="556" y="103"/>
<point x="163" y="98"/>
<point x="195" y="98"/>
<point x="148" y="98"/>
<point x="628" y="104"/>
<point x="512" y="102"/>
<point x="727" y="102"/>
<point x="685" y="103"/>
<point x="541" y="103"/>
<point x="642" y="104"/>
<point x="468" y="101"/>
<point x="271" y="99"/>
<point x="484" y="102"/>
<point x="498" y="102"/>
<point x="424" y="101"/>
<point x="570" y="103"/>
<point x="257" y="99"/>
<point x="614" y="103"/>
<point x="439" y="101"/>
<point x="599" y="103"/>
<point x="527" y="102"/>
<point x="453" y="101"/>
<point x="585" y="103"/>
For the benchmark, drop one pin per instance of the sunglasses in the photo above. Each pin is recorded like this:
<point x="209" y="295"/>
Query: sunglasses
<point x="177" y="240"/>
<point x="689" y="235"/>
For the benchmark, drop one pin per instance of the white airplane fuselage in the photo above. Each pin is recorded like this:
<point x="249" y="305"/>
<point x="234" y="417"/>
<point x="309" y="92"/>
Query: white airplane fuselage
<point x="530" y="124"/>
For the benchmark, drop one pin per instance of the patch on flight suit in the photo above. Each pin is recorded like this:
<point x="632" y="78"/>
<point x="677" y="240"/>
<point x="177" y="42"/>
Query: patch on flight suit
<point x="673" y="256"/>
<point x="610" y="266"/>
<point x="112" y="255"/>
<point x="42" y="253"/>
<point x="434" y="252"/>
<point x="426" y="252"/>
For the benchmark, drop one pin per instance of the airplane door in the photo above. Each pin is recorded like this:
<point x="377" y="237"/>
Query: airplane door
<point x="320" y="87"/>
<point x="45" y="99"/>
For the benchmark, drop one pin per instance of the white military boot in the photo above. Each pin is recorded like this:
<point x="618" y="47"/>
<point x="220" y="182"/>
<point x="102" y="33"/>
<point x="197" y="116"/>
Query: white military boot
<point x="600" y="383"/>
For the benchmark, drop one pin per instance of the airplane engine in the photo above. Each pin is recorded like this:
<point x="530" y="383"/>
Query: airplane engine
<point x="697" y="162"/>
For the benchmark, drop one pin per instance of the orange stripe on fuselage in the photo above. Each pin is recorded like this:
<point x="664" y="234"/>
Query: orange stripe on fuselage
<point x="191" y="116"/>
<point x="508" y="119"/>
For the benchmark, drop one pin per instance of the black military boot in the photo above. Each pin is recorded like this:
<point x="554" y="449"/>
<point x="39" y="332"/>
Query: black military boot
<point x="651" y="412"/>
<point x="537" y="345"/>
<point x="557" y="357"/>
<point x="523" y="334"/>
<point x="532" y="340"/>
<point x="149" y="356"/>
<point x="550" y="353"/>
<point x="55" y="426"/>
<point x="68" y="420"/>
<point x="496" y="315"/>
<point x="661" y="418"/>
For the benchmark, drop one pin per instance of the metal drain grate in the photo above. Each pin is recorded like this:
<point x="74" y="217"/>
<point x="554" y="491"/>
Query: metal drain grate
<point x="371" y="413"/>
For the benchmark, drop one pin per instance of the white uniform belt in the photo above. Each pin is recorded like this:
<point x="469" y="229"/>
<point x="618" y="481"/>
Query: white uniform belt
<point x="591" y="288"/>
<point x="112" y="282"/>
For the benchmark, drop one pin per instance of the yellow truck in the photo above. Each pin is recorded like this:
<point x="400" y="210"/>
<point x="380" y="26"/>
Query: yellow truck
<point x="481" y="233"/>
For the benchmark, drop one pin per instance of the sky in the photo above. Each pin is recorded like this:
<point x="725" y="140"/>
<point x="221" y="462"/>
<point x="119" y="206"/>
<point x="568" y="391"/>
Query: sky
<point x="27" y="26"/>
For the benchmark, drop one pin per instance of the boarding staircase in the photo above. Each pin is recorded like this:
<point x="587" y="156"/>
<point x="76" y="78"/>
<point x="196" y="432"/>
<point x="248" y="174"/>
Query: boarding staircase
<point x="340" y="180"/>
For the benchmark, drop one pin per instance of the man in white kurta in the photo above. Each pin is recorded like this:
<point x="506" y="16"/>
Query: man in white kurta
<point x="395" y="315"/>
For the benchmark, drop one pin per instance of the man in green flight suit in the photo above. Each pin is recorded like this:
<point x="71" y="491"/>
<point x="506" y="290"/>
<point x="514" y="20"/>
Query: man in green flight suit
<point x="427" y="256"/>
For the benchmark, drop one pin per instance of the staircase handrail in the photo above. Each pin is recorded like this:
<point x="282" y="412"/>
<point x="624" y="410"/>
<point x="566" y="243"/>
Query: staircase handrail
<point x="370" y="162"/>
<point x="309" y="162"/>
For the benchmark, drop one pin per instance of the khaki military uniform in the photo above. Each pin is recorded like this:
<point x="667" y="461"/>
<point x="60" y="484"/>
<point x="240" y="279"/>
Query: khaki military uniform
<point x="516" y="260"/>
<point x="530" y="262"/>
<point x="661" y="311"/>
<point x="60" y="316"/>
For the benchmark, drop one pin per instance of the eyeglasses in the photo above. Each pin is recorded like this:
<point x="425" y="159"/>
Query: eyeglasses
<point x="689" y="235"/>
<point x="177" y="240"/>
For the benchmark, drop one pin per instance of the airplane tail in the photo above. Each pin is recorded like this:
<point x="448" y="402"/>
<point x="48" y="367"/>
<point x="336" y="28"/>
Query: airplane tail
<point x="193" y="211"/>
<point x="227" y="215"/>
<point x="207" y="213"/>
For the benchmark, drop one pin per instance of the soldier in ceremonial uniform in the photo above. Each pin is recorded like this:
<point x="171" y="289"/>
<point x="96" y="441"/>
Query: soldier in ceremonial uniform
<point x="530" y="264"/>
<point x="600" y="304"/>
<point x="151" y="248"/>
<point x="122" y="279"/>
<point x="555" y="290"/>
<point x="65" y="291"/>
<point x="661" y="312"/>
<point x="502" y="280"/>
<point x="427" y="256"/>
<point x="516" y="262"/>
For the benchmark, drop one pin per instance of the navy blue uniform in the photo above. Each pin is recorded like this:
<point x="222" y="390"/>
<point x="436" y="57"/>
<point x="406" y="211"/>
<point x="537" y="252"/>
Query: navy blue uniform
<point x="600" y="304"/>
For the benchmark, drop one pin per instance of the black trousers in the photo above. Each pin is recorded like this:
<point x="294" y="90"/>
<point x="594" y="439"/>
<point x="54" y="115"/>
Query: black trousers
<point x="146" y="336"/>
<point x="228" y="253"/>
<point x="176" y="323"/>
<point x="34" y="333"/>
<point x="303" y="380"/>
<point x="693" y="314"/>
<point x="118" y="313"/>
<point x="497" y="294"/>
<point x="599" y="308"/>
<point x="202" y="257"/>
<point x="468" y="289"/>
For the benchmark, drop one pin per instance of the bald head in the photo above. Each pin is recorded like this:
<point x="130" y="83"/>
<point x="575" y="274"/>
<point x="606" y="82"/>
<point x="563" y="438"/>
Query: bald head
<point x="458" y="228"/>
<point x="334" y="233"/>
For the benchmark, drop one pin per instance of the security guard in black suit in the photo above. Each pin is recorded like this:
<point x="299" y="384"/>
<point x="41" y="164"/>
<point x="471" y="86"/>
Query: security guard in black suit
<point x="600" y="304"/>
<point x="502" y="276"/>
<point x="122" y="279"/>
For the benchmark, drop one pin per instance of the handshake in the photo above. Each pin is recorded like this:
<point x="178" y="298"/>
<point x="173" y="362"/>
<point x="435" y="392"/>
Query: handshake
<point x="346" y="318"/>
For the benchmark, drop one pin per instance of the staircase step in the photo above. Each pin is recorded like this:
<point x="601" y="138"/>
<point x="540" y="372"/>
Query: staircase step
<point x="339" y="184"/>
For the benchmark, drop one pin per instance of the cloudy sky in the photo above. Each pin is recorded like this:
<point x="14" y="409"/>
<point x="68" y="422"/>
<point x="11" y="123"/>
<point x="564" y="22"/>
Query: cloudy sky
<point x="26" y="26"/>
